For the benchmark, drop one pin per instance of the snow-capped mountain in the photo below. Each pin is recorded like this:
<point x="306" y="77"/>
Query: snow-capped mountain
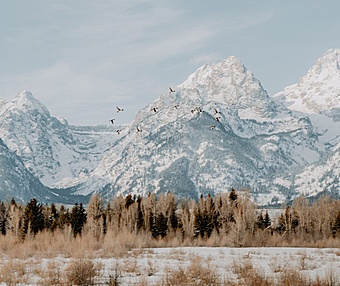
<point x="51" y="150"/>
<point x="15" y="180"/>
<point x="219" y="129"/>
<point x="323" y="176"/>
<point x="318" y="92"/>
<point x="18" y="183"/>
<point x="317" y="95"/>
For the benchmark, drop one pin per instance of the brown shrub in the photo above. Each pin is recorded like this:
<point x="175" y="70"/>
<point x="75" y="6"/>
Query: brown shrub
<point x="82" y="272"/>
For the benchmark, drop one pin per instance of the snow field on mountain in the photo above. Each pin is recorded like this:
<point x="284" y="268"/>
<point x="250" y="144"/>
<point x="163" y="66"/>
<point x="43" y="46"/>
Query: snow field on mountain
<point x="218" y="129"/>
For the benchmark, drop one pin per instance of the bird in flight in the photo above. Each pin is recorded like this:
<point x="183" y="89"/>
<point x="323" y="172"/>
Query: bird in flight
<point x="171" y="90"/>
<point x="216" y="111"/>
<point x="217" y="119"/>
<point x="118" y="131"/>
<point x="119" y="109"/>
<point x="138" y="129"/>
<point x="112" y="121"/>
<point x="154" y="109"/>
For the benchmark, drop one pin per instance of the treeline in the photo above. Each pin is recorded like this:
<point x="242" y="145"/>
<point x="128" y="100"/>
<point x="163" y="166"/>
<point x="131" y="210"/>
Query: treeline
<point x="229" y="219"/>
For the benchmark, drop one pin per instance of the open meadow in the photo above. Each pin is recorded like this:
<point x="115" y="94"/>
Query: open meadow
<point x="180" y="266"/>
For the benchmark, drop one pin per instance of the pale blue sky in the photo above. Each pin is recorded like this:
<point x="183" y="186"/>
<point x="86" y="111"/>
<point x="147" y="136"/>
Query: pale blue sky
<point x="82" y="58"/>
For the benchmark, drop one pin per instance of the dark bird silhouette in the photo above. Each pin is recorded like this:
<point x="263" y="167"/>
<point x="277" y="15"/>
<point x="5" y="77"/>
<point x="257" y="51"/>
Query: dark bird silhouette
<point x="138" y="129"/>
<point x="217" y="119"/>
<point x="154" y="109"/>
<point x="112" y="121"/>
<point x="118" y="131"/>
<point x="119" y="109"/>
<point x="171" y="90"/>
<point x="176" y="106"/>
<point x="216" y="111"/>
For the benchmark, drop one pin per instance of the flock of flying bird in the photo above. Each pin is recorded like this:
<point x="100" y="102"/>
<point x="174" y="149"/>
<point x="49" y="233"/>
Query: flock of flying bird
<point x="198" y="109"/>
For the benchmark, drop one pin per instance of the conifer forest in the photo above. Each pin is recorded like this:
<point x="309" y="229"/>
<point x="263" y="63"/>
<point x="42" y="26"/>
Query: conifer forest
<point x="230" y="219"/>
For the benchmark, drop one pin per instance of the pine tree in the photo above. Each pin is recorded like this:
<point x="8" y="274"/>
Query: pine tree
<point x="174" y="219"/>
<point x="152" y="222"/>
<point x="210" y="215"/>
<point x="140" y="216"/>
<point x="161" y="225"/>
<point x="64" y="217"/>
<point x="33" y="219"/>
<point x="3" y="219"/>
<point x="233" y="196"/>
<point x="266" y="220"/>
<point x="52" y="218"/>
<point x="199" y="220"/>
<point x="129" y="201"/>
<point x="77" y="219"/>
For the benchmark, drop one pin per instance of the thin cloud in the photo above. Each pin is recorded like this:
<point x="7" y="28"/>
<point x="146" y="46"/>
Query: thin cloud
<point x="202" y="59"/>
<point x="61" y="88"/>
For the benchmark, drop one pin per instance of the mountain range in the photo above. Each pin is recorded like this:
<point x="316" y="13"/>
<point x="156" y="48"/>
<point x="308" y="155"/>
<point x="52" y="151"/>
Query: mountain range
<point x="218" y="129"/>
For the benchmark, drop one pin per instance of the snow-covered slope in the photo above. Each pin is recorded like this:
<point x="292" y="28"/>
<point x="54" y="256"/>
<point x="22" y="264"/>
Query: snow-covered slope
<point x="323" y="176"/>
<point x="319" y="91"/>
<point x="317" y="95"/>
<point x="218" y="129"/>
<point x="176" y="144"/>
<point x="50" y="148"/>
<point x="15" y="180"/>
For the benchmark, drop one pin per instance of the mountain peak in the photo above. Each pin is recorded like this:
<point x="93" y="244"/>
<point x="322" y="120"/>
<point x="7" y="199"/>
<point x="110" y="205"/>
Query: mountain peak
<point x="220" y="73"/>
<point x="331" y="55"/>
<point x="230" y="83"/>
<point x="25" y="100"/>
<point x="319" y="90"/>
<point x="328" y="63"/>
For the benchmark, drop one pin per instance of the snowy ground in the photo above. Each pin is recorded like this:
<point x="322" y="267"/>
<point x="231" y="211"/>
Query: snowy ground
<point x="151" y="265"/>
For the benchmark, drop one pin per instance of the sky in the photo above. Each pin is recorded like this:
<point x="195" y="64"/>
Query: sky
<point x="82" y="58"/>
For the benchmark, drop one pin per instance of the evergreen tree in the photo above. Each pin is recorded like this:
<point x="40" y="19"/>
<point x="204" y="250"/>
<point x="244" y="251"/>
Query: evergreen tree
<point x="104" y="223"/>
<point x="174" y="219"/>
<point x="129" y="201"/>
<point x="233" y="196"/>
<point x="205" y="217"/>
<point x="140" y="216"/>
<point x="266" y="220"/>
<point x="52" y="218"/>
<point x="3" y="219"/>
<point x="152" y="223"/>
<point x="64" y="217"/>
<point x="161" y="225"/>
<point x="77" y="219"/>
<point x="13" y="202"/>
<point x="198" y="221"/>
<point x="33" y="219"/>
<point x="209" y="216"/>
